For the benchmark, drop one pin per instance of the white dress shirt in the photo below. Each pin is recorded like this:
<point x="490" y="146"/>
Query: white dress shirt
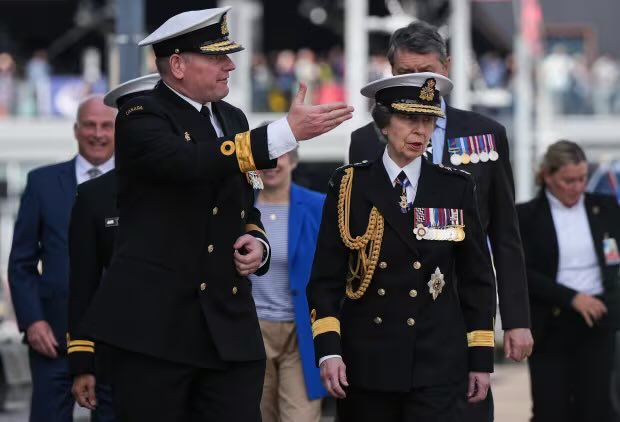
<point x="82" y="166"/>
<point x="280" y="138"/>
<point x="438" y="138"/>
<point x="578" y="266"/>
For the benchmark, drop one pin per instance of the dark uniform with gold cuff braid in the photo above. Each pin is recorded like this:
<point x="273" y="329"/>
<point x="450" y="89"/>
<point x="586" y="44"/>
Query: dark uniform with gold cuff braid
<point x="172" y="291"/>
<point x="394" y="336"/>
<point x="183" y="202"/>
<point x="179" y="319"/>
<point x="94" y="221"/>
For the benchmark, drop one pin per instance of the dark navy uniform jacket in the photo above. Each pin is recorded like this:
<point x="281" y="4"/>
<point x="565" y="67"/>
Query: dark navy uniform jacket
<point x="171" y="290"/>
<point x="495" y="193"/>
<point x="94" y="221"/>
<point x="396" y="337"/>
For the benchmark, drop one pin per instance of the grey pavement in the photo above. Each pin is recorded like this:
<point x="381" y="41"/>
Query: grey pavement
<point x="510" y="384"/>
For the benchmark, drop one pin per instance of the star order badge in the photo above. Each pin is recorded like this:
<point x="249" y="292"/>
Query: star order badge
<point x="436" y="283"/>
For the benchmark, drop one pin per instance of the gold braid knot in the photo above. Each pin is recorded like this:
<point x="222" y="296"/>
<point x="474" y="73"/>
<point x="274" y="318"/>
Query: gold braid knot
<point x="368" y="245"/>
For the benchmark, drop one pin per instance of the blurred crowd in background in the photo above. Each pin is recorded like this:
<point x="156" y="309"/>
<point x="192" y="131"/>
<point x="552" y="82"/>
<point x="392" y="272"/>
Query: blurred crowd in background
<point x="574" y="84"/>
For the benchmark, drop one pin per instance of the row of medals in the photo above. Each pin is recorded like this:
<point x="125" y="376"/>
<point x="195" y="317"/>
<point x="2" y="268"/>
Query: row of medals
<point x="458" y="159"/>
<point x="451" y="233"/>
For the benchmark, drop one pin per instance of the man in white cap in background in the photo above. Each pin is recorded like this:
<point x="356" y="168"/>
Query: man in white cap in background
<point x="92" y="230"/>
<point x="184" y="334"/>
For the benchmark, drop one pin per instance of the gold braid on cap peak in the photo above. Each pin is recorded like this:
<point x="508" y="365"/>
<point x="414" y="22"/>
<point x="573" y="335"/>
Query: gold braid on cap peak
<point x="368" y="245"/>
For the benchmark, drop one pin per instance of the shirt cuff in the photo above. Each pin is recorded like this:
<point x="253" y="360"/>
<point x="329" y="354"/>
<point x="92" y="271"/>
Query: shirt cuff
<point x="280" y="138"/>
<point x="324" y="358"/>
<point x="266" y="251"/>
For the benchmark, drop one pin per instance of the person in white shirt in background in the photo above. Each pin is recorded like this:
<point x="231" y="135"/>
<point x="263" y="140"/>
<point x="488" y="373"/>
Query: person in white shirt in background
<point x="571" y="253"/>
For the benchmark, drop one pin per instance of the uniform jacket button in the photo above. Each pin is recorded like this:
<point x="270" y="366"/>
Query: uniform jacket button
<point x="413" y="292"/>
<point x="242" y="214"/>
<point x="381" y="292"/>
<point x="234" y="290"/>
<point x="215" y="211"/>
<point x="410" y="322"/>
<point x="417" y="265"/>
<point x="203" y="286"/>
<point x="210" y="248"/>
<point x="556" y="311"/>
<point x="383" y="265"/>
<point x="378" y="320"/>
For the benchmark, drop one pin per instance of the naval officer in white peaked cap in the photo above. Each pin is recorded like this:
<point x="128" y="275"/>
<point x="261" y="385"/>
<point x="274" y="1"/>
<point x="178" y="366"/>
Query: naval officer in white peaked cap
<point x="185" y="339"/>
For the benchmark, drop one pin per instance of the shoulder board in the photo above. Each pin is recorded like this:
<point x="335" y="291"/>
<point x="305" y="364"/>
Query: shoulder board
<point x="364" y="163"/>
<point x="339" y="172"/>
<point x="452" y="170"/>
<point x="136" y="105"/>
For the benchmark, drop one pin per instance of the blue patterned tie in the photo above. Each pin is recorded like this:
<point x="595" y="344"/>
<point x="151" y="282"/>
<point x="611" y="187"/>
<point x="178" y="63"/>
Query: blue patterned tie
<point x="403" y="182"/>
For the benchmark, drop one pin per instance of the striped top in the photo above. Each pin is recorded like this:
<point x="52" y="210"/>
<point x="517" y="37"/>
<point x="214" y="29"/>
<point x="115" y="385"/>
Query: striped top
<point x="271" y="291"/>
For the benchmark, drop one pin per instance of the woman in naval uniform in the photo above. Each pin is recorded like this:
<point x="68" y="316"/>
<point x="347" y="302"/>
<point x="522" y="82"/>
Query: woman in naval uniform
<point x="396" y="337"/>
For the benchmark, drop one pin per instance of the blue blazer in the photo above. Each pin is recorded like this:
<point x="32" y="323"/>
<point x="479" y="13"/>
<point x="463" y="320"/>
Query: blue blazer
<point x="306" y="208"/>
<point x="41" y="232"/>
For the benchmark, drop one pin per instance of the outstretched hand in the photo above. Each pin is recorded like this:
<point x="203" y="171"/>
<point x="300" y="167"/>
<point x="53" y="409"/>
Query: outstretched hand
<point x="309" y="121"/>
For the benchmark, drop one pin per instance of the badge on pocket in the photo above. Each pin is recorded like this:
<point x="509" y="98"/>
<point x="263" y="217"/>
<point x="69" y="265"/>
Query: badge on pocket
<point x="610" y="250"/>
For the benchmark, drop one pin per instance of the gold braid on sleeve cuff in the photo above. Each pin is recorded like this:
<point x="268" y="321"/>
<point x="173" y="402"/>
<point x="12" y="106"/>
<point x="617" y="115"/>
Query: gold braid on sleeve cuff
<point x="254" y="227"/>
<point x="81" y="346"/>
<point x="481" y="338"/>
<point x="325" y="325"/>
<point x="243" y="146"/>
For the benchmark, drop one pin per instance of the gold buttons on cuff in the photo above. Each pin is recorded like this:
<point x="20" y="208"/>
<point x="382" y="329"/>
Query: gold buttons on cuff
<point x="210" y="248"/>
<point x="410" y="322"/>
<point x="413" y="292"/>
<point x="381" y="292"/>
<point x="383" y="265"/>
<point x="215" y="211"/>
<point x="234" y="290"/>
<point x="417" y="265"/>
<point x="378" y="320"/>
<point x="203" y="286"/>
<point x="242" y="214"/>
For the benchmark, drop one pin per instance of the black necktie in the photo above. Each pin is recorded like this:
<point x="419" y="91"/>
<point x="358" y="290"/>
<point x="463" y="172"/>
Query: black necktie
<point x="206" y="113"/>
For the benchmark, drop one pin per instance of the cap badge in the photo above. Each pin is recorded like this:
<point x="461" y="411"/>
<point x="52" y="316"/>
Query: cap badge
<point x="224" y="25"/>
<point x="427" y="93"/>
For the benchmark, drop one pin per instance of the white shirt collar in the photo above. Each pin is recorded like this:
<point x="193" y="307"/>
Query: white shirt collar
<point x="412" y="170"/>
<point x="555" y="203"/>
<point x="194" y="104"/>
<point x="82" y="166"/>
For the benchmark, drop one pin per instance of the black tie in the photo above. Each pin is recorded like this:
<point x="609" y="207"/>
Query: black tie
<point x="209" y="125"/>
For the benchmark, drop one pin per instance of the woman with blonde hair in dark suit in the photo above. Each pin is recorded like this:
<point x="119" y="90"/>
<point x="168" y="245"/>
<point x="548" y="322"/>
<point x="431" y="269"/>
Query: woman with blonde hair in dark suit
<point x="570" y="244"/>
